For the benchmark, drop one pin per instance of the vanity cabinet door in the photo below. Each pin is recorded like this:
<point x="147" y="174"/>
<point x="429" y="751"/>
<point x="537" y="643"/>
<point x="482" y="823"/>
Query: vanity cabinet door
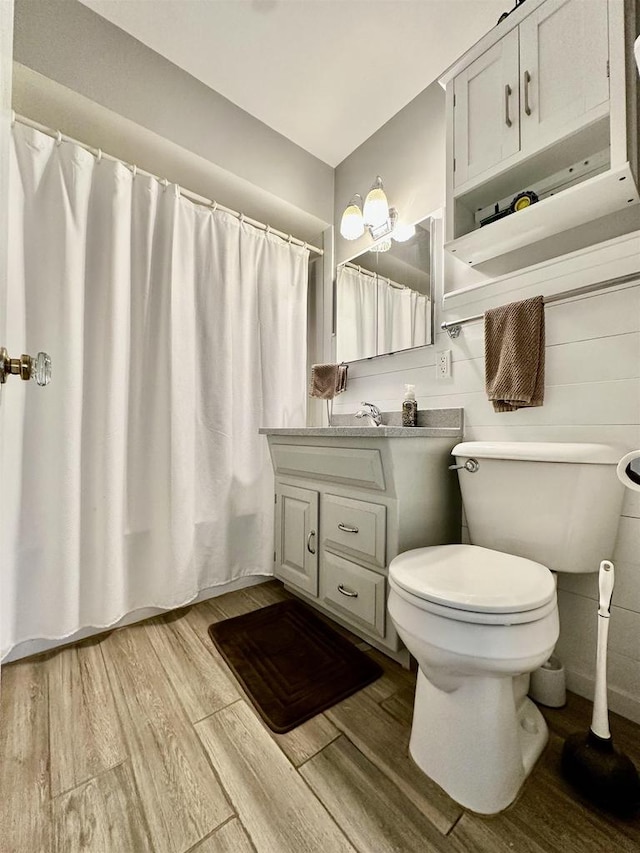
<point x="564" y="78"/>
<point x="297" y="538"/>
<point x="486" y="111"/>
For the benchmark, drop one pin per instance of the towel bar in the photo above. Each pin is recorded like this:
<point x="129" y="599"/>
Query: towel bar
<point x="452" y="327"/>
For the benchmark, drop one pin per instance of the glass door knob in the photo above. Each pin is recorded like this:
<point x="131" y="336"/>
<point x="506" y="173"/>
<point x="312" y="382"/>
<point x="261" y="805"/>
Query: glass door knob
<point x="41" y="368"/>
<point x="38" y="368"/>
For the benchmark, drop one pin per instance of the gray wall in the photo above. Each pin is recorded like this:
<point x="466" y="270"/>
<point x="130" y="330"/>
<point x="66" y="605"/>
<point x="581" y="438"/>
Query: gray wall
<point x="408" y="152"/>
<point x="72" y="45"/>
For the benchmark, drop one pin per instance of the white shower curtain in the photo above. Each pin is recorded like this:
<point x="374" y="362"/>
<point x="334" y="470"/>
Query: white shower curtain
<point x="356" y="311"/>
<point x="404" y="317"/>
<point x="138" y="478"/>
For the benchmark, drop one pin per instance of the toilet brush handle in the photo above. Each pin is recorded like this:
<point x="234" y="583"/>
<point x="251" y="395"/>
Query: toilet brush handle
<point x="600" y="722"/>
<point x="605" y="583"/>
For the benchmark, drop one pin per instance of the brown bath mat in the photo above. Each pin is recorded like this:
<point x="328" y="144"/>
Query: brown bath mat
<point x="290" y="663"/>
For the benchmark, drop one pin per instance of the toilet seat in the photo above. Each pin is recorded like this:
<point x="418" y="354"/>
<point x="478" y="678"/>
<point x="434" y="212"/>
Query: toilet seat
<point x="468" y="583"/>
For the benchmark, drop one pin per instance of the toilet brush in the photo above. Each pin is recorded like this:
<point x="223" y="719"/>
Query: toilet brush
<point x="589" y="761"/>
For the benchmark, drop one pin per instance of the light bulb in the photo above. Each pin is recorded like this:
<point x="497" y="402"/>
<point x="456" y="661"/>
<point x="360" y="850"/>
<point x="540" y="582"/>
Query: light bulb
<point x="403" y="232"/>
<point x="352" y="223"/>
<point x="376" y="207"/>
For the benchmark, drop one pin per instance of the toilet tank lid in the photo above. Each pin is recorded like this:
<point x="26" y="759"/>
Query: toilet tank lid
<point x="542" y="451"/>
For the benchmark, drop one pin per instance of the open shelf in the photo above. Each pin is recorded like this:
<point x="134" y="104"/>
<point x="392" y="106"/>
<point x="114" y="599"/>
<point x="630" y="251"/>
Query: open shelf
<point x="598" y="196"/>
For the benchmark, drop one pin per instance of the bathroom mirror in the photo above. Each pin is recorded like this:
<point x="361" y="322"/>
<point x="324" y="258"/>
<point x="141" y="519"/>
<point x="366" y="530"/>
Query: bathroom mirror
<point x="383" y="299"/>
<point x="629" y="470"/>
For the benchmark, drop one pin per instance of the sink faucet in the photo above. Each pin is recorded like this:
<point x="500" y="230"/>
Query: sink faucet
<point x="370" y="411"/>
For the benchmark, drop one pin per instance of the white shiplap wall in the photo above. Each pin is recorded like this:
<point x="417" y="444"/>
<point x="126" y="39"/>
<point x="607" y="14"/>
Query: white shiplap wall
<point x="592" y="394"/>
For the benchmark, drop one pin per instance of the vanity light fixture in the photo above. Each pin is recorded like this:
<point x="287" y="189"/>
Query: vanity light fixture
<point x="376" y="217"/>
<point x="403" y="232"/>
<point x="352" y="223"/>
<point x="376" y="207"/>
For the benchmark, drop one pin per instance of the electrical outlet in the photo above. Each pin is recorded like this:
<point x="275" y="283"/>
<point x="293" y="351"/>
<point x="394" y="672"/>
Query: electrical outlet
<point x="443" y="364"/>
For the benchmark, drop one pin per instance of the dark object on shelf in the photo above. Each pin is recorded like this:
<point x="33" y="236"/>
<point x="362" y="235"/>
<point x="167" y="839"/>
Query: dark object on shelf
<point x="523" y="200"/>
<point x="497" y="214"/>
<point x="506" y="14"/>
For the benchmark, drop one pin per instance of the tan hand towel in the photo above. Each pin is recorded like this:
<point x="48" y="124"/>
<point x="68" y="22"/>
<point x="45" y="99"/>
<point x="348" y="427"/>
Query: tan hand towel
<point x="327" y="380"/>
<point x="514" y="354"/>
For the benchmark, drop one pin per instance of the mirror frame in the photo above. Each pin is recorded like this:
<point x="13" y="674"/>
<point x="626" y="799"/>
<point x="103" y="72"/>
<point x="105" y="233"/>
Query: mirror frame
<point x="436" y="249"/>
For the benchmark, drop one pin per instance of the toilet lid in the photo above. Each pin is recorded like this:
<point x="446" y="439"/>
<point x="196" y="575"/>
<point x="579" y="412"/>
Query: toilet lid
<point x="468" y="577"/>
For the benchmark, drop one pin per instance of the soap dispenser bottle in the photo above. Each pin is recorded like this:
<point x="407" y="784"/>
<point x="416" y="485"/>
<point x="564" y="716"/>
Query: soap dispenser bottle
<point x="409" y="407"/>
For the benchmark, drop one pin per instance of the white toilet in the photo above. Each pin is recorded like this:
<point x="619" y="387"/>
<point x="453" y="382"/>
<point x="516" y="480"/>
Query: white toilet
<point x="479" y="618"/>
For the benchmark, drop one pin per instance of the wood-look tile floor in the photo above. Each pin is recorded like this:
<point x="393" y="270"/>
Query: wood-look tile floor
<point x="142" y="740"/>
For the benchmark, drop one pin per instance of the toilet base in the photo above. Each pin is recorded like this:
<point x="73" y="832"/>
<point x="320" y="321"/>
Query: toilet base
<point x="474" y="741"/>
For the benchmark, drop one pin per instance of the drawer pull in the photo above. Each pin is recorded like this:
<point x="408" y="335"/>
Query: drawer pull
<point x="346" y="529"/>
<point x="507" y="92"/>
<point x="312" y="533"/>
<point x="348" y="592"/>
<point x="527" y="80"/>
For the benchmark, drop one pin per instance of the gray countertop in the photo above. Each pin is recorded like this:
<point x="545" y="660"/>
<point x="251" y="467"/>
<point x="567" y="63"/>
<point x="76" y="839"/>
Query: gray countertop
<point x="368" y="431"/>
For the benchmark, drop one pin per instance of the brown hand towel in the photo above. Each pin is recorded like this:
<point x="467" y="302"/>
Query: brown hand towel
<point x="514" y="354"/>
<point x="327" y="380"/>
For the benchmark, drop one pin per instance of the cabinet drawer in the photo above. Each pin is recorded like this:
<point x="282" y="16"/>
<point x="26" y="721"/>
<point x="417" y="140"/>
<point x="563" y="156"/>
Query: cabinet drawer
<point x="353" y="466"/>
<point x="358" y="594"/>
<point x="356" y="528"/>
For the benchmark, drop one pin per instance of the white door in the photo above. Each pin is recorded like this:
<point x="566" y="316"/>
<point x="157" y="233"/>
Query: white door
<point x="297" y="538"/>
<point x="486" y="112"/>
<point x="564" y="83"/>
<point x="6" y="55"/>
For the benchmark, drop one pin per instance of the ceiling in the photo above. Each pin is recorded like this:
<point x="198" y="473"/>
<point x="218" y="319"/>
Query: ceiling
<point x="324" y="73"/>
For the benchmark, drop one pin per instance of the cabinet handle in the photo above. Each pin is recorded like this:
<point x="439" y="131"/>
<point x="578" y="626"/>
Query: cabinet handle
<point x="527" y="80"/>
<point x="507" y="93"/>
<point x="311" y="533"/>
<point x="346" y="529"/>
<point x="348" y="592"/>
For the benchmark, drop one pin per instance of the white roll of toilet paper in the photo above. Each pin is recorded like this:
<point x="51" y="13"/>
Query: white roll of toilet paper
<point x="548" y="684"/>
<point x="628" y="470"/>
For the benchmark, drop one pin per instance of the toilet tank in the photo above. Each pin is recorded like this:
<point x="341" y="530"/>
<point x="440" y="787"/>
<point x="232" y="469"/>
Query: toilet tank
<point x="558" y="504"/>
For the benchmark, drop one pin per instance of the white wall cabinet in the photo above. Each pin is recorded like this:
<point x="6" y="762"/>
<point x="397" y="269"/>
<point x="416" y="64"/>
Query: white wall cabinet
<point x="564" y="70"/>
<point x="543" y="103"/>
<point x="543" y="80"/>
<point x="345" y="506"/>
<point x="487" y="111"/>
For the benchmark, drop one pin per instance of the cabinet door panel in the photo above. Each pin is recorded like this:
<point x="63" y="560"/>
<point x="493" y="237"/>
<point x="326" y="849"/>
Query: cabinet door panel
<point x="486" y="113"/>
<point x="297" y="538"/>
<point x="564" y="48"/>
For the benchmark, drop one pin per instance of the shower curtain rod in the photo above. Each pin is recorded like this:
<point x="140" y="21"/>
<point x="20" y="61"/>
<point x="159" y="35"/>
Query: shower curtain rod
<point x="365" y="271"/>
<point x="99" y="154"/>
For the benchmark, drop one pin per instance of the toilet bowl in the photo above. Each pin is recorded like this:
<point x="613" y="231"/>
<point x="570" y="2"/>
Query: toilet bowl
<point x="479" y="618"/>
<point x="472" y="630"/>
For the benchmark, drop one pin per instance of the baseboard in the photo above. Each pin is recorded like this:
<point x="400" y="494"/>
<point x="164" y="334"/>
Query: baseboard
<point x="619" y="702"/>
<point x="29" y="648"/>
